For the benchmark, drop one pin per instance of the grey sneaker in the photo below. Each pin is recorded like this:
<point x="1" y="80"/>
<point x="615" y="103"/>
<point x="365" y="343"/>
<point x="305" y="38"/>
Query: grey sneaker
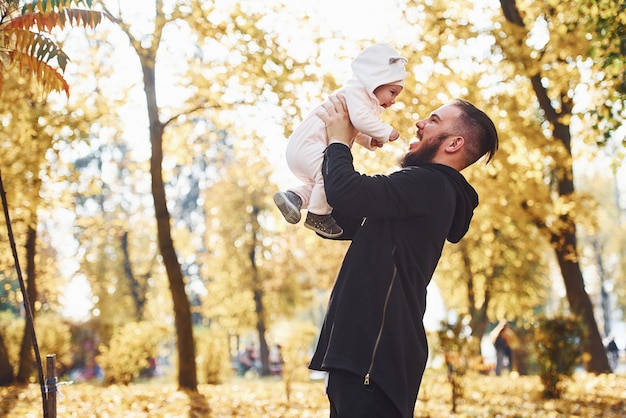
<point x="325" y="225"/>
<point x="289" y="205"/>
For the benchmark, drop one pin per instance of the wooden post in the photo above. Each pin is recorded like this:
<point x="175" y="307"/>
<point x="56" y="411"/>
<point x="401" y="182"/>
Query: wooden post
<point x="51" y="386"/>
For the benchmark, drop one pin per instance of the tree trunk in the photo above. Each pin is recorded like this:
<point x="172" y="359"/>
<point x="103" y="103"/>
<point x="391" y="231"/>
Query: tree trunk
<point x="604" y="295"/>
<point x="564" y="239"/>
<point x="137" y="290"/>
<point x="478" y="314"/>
<point x="258" y="296"/>
<point x="581" y="306"/>
<point x="27" y="361"/>
<point x="6" y="370"/>
<point x="187" y="378"/>
<point x="264" y="351"/>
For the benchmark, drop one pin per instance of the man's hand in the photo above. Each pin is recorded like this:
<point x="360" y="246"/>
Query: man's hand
<point x="337" y="121"/>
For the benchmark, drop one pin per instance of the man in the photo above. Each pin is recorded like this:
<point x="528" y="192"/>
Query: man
<point x="373" y="342"/>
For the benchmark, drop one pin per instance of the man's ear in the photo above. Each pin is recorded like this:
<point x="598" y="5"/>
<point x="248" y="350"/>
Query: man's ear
<point x="455" y="144"/>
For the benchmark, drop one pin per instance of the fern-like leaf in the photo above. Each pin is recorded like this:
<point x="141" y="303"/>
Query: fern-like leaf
<point x="49" y="78"/>
<point x="48" y="5"/>
<point x="25" y="38"/>
<point x="38" y="45"/>
<point x="44" y="22"/>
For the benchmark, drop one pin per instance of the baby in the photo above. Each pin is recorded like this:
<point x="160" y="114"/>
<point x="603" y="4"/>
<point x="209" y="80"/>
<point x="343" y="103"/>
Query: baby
<point x="378" y="79"/>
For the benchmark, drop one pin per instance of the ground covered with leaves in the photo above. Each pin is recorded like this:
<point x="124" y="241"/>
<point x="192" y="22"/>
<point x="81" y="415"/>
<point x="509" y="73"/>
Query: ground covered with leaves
<point x="483" y="396"/>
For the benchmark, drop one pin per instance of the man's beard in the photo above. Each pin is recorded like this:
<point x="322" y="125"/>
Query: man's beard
<point x="424" y="153"/>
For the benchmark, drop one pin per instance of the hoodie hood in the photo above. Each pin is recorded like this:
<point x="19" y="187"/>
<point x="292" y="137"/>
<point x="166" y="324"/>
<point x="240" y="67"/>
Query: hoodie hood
<point x="377" y="65"/>
<point x="466" y="201"/>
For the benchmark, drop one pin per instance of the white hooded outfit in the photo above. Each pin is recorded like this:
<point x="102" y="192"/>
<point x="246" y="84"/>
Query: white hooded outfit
<point x="375" y="66"/>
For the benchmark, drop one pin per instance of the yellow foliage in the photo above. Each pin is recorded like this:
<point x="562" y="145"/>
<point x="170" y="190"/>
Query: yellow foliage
<point x="212" y="355"/>
<point x="296" y="351"/>
<point x="53" y="337"/>
<point x="130" y="349"/>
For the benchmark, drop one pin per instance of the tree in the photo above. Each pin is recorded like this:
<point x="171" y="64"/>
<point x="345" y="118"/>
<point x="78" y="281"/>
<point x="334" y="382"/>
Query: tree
<point x="500" y="264"/>
<point x="497" y="270"/>
<point x="556" y="100"/>
<point x="26" y="364"/>
<point x="605" y="23"/>
<point x="22" y="164"/>
<point x="544" y="51"/>
<point x="30" y="52"/>
<point x="6" y="370"/>
<point x="603" y="238"/>
<point x="146" y="51"/>
<point x="258" y="272"/>
<point x="253" y="58"/>
<point x="146" y="47"/>
<point x="243" y="205"/>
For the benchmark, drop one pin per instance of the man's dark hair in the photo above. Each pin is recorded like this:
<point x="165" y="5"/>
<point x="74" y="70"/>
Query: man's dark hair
<point x="478" y="130"/>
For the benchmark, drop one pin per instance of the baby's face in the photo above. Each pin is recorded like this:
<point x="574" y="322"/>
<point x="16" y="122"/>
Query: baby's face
<point x="387" y="93"/>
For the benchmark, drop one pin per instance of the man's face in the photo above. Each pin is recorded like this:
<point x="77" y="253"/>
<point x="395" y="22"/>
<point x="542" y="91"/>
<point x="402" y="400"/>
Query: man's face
<point x="431" y="134"/>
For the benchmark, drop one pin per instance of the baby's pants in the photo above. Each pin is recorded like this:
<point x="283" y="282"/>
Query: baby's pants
<point x="305" y="153"/>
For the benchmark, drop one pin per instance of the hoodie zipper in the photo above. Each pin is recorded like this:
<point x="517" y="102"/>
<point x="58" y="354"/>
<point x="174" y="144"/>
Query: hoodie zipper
<point x="366" y="381"/>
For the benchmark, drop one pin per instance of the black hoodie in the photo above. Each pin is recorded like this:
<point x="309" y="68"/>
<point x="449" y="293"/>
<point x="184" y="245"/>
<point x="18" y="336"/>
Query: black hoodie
<point x="398" y="225"/>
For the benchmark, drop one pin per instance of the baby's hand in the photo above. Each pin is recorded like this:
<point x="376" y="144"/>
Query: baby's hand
<point x="375" y="144"/>
<point x="394" y="135"/>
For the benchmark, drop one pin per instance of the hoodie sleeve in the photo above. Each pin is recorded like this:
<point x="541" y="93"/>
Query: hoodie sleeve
<point x="408" y="193"/>
<point x="365" y="114"/>
<point x="401" y="194"/>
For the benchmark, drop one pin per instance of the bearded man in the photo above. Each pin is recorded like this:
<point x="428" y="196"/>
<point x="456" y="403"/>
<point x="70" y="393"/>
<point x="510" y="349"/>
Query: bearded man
<point x="372" y="342"/>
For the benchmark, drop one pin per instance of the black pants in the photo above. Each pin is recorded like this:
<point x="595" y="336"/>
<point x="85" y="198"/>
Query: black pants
<point x="350" y="398"/>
